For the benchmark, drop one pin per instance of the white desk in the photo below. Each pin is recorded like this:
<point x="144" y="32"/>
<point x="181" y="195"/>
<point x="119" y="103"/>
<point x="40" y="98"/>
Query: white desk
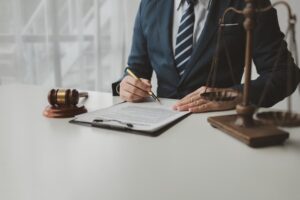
<point x="50" y="159"/>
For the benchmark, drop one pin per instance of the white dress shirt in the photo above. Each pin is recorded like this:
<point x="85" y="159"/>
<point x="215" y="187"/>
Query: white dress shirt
<point x="201" y="12"/>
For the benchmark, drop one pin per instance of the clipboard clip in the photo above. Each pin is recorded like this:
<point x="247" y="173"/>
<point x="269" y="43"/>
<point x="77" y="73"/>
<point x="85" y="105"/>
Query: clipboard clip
<point x="99" y="121"/>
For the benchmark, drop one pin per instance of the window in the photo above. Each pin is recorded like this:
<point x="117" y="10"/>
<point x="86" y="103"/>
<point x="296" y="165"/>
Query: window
<point x="80" y="44"/>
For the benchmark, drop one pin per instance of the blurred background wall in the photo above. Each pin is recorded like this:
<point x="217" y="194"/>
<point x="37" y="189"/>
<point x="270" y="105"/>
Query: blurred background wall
<point x="65" y="43"/>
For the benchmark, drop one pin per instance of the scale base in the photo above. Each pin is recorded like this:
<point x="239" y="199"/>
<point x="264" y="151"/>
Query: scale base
<point x="255" y="135"/>
<point x="280" y="118"/>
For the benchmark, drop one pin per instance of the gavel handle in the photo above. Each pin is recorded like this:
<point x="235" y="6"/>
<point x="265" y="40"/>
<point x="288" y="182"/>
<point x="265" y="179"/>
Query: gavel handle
<point x="83" y="94"/>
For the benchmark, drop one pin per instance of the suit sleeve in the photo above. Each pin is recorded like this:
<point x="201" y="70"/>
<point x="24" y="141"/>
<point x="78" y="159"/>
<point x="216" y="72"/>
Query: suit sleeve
<point x="138" y="60"/>
<point x="278" y="73"/>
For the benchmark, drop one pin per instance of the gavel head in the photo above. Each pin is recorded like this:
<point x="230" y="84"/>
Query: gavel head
<point x="61" y="97"/>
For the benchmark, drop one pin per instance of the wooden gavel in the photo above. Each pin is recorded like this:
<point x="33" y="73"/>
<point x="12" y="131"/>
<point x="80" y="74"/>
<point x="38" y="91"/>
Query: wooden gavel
<point x="62" y="97"/>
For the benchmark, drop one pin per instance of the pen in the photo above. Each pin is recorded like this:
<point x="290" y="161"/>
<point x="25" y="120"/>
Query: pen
<point x="137" y="78"/>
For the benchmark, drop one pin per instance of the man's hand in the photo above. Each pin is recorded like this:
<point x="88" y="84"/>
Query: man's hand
<point x="133" y="90"/>
<point x="196" y="104"/>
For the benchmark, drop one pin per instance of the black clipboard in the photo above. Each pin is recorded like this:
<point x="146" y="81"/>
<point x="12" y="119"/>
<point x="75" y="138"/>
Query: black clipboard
<point x="130" y="130"/>
<point x="127" y="127"/>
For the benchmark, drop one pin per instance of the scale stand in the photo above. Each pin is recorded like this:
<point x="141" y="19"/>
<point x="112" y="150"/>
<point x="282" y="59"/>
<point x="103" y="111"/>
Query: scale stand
<point x="242" y="125"/>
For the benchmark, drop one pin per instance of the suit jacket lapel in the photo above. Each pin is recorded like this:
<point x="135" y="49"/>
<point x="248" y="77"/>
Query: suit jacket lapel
<point x="166" y="33"/>
<point x="217" y="9"/>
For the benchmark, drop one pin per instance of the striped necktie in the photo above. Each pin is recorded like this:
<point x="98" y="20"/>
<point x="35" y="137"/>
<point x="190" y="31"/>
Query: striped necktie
<point x="184" y="39"/>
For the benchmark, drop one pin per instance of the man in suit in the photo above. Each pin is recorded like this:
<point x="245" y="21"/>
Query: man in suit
<point x="177" y="39"/>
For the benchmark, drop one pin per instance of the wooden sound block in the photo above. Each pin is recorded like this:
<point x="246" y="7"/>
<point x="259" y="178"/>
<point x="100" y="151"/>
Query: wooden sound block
<point x="63" y="112"/>
<point x="257" y="135"/>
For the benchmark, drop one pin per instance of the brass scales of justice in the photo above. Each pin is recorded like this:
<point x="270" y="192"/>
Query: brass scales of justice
<point x="260" y="130"/>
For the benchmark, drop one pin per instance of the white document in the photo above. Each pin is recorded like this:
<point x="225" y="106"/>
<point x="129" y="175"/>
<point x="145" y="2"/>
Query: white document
<point x="147" y="116"/>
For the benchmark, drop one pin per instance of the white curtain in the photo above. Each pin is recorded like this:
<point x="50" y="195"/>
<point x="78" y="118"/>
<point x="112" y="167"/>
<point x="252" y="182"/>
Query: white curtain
<point x="80" y="44"/>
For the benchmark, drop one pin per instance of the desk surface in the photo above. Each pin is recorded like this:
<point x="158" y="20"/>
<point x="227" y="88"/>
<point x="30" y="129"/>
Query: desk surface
<point x="46" y="159"/>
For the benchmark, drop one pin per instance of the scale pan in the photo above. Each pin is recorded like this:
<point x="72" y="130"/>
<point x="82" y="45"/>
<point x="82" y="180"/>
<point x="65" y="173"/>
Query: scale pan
<point x="284" y="119"/>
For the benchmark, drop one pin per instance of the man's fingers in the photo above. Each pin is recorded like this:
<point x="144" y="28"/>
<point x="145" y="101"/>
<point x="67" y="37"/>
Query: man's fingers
<point x="210" y="106"/>
<point x="141" y="84"/>
<point x="147" y="82"/>
<point x="190" y="95"/>
<point x="188" y="99"/>
<point x="195" y="103"/>
<point x="135" y="90"/>
<point x="127" y="96"/>
<point x="189" y="105"/>
<point x="194" y="95"/>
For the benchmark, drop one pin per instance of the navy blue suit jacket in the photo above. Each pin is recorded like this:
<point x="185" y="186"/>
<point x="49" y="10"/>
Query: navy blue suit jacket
<point x="152" y="51"/>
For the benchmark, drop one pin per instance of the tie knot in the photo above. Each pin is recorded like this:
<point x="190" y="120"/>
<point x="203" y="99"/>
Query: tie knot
<point x="191" y="2"/>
